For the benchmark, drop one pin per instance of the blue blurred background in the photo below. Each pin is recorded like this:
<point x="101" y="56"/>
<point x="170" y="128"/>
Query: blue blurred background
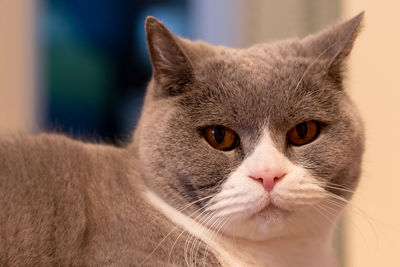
<point x="95" y="65"/>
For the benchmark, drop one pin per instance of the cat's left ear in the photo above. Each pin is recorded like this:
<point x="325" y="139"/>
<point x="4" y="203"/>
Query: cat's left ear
<point x="172" y="69"/>
<point x="334" y="45"/>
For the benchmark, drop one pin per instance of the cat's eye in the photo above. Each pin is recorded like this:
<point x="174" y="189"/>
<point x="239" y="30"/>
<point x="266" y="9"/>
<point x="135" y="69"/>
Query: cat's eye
<point x="221" y="138"/>
<point x="303" y="133"/>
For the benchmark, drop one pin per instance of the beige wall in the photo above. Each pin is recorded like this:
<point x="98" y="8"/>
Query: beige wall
<point x="16" y="65"/>
<point x="374" y="82"/>
<point x="265" y="20"/>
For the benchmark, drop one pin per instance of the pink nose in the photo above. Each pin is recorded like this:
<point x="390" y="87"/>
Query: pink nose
<point x="268" y="178"/>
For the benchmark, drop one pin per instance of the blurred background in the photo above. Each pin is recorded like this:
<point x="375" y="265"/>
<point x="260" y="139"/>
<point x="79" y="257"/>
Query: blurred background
<point x="81" y="68"/>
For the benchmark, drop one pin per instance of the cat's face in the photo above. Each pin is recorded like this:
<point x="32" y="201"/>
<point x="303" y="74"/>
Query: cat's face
<point x="218" y="136"/>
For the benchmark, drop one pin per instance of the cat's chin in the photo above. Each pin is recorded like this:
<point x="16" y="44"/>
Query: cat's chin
<point x="269" y="222"/>
<point x="271" y="213"/>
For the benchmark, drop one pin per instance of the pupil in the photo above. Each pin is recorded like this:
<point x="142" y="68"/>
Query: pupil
<point x="219" y="134"/>
<point x="302" y="130"/>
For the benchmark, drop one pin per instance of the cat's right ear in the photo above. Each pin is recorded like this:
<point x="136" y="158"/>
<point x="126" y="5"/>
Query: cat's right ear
<point x="334" y="45"/>
<point x="172" y="69"/>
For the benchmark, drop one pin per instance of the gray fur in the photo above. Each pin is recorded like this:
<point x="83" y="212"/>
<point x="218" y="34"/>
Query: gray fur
<point x="64" y="202"/>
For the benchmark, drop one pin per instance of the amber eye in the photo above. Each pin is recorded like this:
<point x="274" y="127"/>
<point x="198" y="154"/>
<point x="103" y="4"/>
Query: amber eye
<point x="303" y="133"/>
<point x="221" y="137"/>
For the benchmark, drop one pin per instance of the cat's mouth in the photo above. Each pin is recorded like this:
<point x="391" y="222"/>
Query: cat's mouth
<point x="272" y="211"/>
<point x="272" y="208"/>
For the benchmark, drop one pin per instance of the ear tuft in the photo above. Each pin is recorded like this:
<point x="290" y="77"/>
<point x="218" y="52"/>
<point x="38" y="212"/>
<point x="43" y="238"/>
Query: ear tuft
<point x="334" y="44"/>
<point x="172" y="68"/>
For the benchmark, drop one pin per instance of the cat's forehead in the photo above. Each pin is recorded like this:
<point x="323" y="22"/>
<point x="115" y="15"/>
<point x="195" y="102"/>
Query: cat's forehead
<point x="266" y="70"/>
<point x="266" y="85"/>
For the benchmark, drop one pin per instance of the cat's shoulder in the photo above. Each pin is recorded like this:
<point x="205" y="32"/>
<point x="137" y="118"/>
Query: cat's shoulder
<point x="26" y="142"/>
<point x="26" y="148"/>
<point x="45" y="153"/>
<point x="46" y="143"/>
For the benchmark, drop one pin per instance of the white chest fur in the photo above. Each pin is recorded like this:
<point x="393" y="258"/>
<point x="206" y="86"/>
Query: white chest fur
<point x="288" y="251"/>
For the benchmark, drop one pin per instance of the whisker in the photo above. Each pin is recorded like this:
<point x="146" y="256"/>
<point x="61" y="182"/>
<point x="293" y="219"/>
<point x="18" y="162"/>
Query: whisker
<point x="332" y="183"/>
<point x="194" y="202"/>
<point x="209" y="229"/>
<point x="339" y="188"/>
<point x="197" y="239"/>
<point x="327" y="184"/>
<point x="191" y="236"/>
<point x="331" y="210"/>
<point x="324" y="215"/>
<point x="184" y="230"/>
<point x="159" y="244"/>
<point x="335" y="184"/>
<point x="337" y="204"/>
<point x="215" y="234"/>
<point x="176" y="227"/>
<point x="226" y="202"/>
<point x="370" y="221"/>
<point x="341" y="201"/>
<point x="359" y="230"/>
<point x="202" y="222"/>
<point x="173" y="245"/>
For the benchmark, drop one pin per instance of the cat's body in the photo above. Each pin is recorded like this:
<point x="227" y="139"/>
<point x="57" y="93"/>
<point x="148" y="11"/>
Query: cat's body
<point x="241" y="158"/>
<point x="65" y="203"/>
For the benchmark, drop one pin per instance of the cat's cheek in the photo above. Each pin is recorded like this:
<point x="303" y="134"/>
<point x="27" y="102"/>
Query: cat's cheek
<point x="298" y="190"/>
<point x="240" y="197"/>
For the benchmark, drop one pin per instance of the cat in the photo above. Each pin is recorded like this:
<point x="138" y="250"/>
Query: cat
<point x="241" y="157"/>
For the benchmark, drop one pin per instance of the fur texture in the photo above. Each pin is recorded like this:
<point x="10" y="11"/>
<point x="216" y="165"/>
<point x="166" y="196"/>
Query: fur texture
<point x="170" y="197"/>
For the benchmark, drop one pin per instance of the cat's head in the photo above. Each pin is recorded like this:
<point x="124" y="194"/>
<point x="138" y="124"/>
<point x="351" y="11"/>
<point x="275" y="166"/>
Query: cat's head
<point x="260" y="140"/>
